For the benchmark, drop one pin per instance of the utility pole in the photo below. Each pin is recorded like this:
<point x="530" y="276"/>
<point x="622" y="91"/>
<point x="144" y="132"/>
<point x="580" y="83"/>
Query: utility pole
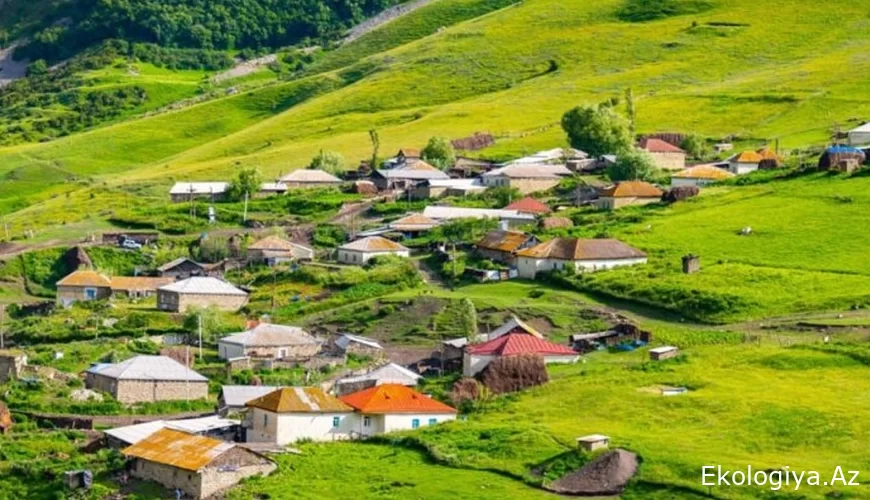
<point x="245" y="216"/>
<point x="199" y="327"/>
<point x="2" y="325"/>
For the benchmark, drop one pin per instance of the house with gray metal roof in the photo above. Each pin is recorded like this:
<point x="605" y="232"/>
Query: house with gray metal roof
<point x="390" y="373"/>
<point x="233" y="398"/>
<point x="200" y="291"/>
<point x="145" y="379"/>
<point x="270" y="341"/>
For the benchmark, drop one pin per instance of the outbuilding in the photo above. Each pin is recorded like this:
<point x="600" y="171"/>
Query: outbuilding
<point x="82" y="286"/>
<point x="479" y="356"/>
<point x="309" y="178"/>
<point x="413" y="225"/>
<point x="359" y="346"/>
<point x="182" y="268"/>
<point x="390" y="373"/>
<point x="664" y="352"/>
<point x="146" y="379"/>
<point x="628" y="193"/>
<point x="289" y="414"/>
<point x="361" y="251"/>
<point x="211" y="426"/>
<point x="502" y="246"/>
<point x="200" y="292"/>
<point x="270" y="341"/>
<point x="273" y="250"/>
<point x="187" y="191"/>
<point x="700" y="176"/>
<point x="860" y="136"/>
<point x="744" y="162"/>
<point x="199" y="466"/>
<point x="526" y="178"/>
<point x="593" y="442"/>
<point x="138" y="286"/>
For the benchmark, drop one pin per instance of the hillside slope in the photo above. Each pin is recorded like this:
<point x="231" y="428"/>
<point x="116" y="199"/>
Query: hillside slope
<point x="761" y="70"/>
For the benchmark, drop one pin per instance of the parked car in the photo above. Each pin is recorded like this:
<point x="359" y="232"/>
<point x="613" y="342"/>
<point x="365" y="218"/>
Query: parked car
<point x="130" y="244"/>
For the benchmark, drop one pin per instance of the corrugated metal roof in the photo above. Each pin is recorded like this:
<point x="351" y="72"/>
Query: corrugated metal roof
<point x="582" y="249"/>
<point x="513" y="325"/>
<point x="417" y="171"/>
<point x="447" y="213"/>
<point x="530" y="171"/>
<point x="277" y="187"/>
<point x="269" y="335"/>
<point x="388" y="374"/>
<point x="299" y="400"/>
<point x="132" y="434"/>
<point x="374" y="244"/>
<point x="199" y="188"/>
<point x="304" y="175"/>
<point x="149" y="368"/>
<point x="200" y="285"/>
<point x="529" y="205"/>
<point x="177" y="262"/>
<point x="237" y="396"/>
<point x="346" y="339"/>
<point x="413" y="222"/>
<point x="631" y="189"/>
<point x="178" y="449"/>
<point x="394" y="398"/>
<point x="747" y="157"/>
<point x="519" y="343"/>
<point x="85" y="277"/>
<point x="503" y="241"/>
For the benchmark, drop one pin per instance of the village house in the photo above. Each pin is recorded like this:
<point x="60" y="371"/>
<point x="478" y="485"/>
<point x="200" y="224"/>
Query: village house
<point x="233" y="398"/>
<point x="860" y="136"/>
<point x="577" y="254"/>
<point x="270" y="341"/>
<point x="309" y="178"/>
<point x="272" y="189"/>
<point x="700" y="176"/>
<point x="182" y="268"/>
<point x="359" y="346"/>
<point x="551" y="156"/>
<point x="361" y="251"/>
<point x="628" y="193"/>
<point x="479" y="356"/>
<point x="502" y="246"/>
<point x="438" y="188"/>
<point x="390" y="373"/>
<point x="186" y="191"/>
<point x="467" y="168"/>
<point x="393" y="407"/>
<point x="744" y="162"/>
<point x="665" y="155"/>
<point x="529" y="205"/>
<point x="210" y="426"/>
<point x="198" y="466"/>
<point x="145" y="379"/>
<point x="289" y="414"/>
<point x="83" y="285"/>
<point x="273" y="250"/>
<point x="200" y="292"/>
<point x="413" y="225"/>
<point x="769" y="159"/>
<point x="453" y="350"/>
<point x="511" y="217"/>
<point x="137" y="286"/>
<point x="406" y="176"/>
<point x="526" y="178"/>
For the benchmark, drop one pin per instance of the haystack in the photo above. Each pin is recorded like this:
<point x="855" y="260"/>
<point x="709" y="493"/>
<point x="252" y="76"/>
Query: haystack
<point x="606" y="475"/>
<point x="514" y="373"/>
<point x="75" y="258"/>
<point x="365" y="188"/>
<point x="680" y="193"/>
<point x="556" y="223"/>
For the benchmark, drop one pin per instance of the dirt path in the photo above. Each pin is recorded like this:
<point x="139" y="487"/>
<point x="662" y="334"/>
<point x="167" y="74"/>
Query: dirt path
<point x="383" y="18"/>
<point x="244" y="68"/>
<point x="11" y="70"/>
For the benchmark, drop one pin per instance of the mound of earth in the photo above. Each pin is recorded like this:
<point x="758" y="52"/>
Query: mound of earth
<point x="606" y="475"/>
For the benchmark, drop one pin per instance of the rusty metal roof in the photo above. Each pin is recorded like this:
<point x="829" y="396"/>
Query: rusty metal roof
<point x="299" y="400"/>
<point x="85" y="277"/>
<point x="178" y="449"/>
<point x="631" y="189"/>
<point x="503" y="241"/>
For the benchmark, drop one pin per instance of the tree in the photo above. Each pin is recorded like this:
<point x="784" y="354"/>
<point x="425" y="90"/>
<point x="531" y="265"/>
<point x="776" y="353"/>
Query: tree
<point x="247" y="182"/>
<point x="211" y="322"/>
<point x="376" y="148"/>
<point x="631" y="111"/>
<point x="464" y="230"/>
<point x="37" y="68"/>
<point x="328" y="161"/>
<point x="631" y="166"/>
<point x="597" y="130"/>
<point x="695" y="146"/>
<point x="440" y="153"/>
<point x="468" y="320"/>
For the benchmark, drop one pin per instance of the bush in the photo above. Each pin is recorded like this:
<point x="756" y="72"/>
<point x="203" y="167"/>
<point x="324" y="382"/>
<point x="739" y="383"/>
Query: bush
<point x="637" y="11"/>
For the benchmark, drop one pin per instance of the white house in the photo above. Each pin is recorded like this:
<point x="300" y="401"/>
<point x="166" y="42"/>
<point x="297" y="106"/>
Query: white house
<point x="860" y="136"/>
<point x="744" y="163"/>
<point x="289" y="414"/>
<point x="390" y="373"/>
<point x="269" y="341"/>
<point x="700" y="176"/>
<point x="392" y="407"/>
<point x="185" y="191"/>
<point x="360" y="251"/>
<point x="479" y="356"/>
<point x="511" y="217"/>
<point x="579" y="254"/>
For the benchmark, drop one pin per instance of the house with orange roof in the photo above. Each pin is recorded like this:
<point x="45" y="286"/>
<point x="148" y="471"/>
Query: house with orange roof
<point x="700" y="176"/>
<point x="529" y="205"/>
<point x="83" y="285"/>
<point x="665" y="155"/>
<point x="502" y="246"/>
<point x="395" y="407"/>
<point x="744" y="162"/>
<point x="479" y="356"/>
<point x="289" y="414"/>
<point x="628" y="193"/>
<point x="361" y="251"/>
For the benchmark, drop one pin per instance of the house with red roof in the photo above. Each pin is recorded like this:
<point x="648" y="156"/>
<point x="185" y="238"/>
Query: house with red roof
<point x="665" y="155"/>
<point x="395" y="407"/>
<point x="529" y="205"/>
<point x="479" y="356"/>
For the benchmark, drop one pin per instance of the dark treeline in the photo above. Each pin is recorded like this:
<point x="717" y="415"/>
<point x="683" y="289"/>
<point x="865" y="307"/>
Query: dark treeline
<point x="198" y="24"/>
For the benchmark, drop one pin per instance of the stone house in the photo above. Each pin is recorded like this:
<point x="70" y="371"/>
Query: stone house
<point x="439" y="188"/>
<point x="527" y="178"/>
<point x="577" y="254"/>
<point x="502" y="246"/>
<point x="12" y="364"/>
<point x="182" y="268"/>
<point x="413" y="225"/>
<point x="700" y="176"/>
<point x="406" y="176"/>
<point x="479" y="356"/>
<point x="187" y="191"/>
<point x="199" y="466"/>
<point x="145" y="379"/>
<point x="361" y="251"/>
<point x="200" y="292"/>
<point x="390" y="373"/>
<point x="309" y="178"/>
<point x="394" y="407"/>
<point x="83" y="285"/>
<point x="665" y="155"/>
<point x="628" y="193"/>
<point x="270" y="341"/>
<point x="268" y="189"/>
<point x="359" y="346"/>
<point x="138" y="286"/>
<point x="273" y="250"/>
<point x="289" y="414"/>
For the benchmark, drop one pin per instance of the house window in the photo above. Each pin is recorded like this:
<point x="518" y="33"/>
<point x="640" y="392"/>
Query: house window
<point x="433" y="421"/>
<point x="367" y="421"/>
<point x="90" y="293"/>
<point x="336" y="421"/>
<point x="265" y="419"/>
<point x="415" y="424"/>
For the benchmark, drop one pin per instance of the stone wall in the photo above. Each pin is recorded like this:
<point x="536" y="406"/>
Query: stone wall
<point x="11" y="366"/>
<point x="68" y="294"/>
<point x="146" y="391"/>
<point x="175" y="302"/>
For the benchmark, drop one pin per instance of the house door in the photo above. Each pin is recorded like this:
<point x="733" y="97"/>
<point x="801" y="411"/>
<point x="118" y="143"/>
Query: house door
<point x="282" y="353"/>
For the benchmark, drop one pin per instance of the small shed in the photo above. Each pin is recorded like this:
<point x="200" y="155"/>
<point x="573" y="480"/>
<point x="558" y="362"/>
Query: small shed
<point x="842" y="158"/>
<point x="593" y="442"/>
<point x="663" y="353"/>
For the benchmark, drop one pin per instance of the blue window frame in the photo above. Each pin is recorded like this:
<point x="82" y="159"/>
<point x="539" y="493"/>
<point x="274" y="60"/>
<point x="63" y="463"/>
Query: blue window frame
<point x="433" y="421"/>
<point x="336" y="421"/>
<point x="415" y="424"/>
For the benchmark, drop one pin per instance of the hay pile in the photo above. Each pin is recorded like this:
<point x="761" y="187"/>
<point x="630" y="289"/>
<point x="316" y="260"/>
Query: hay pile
<point x="514" y="373"/>
<point x="76" y="258"/>
<point x="606" y="475"/>
<point x="556" y="223"/>
<point x="465" y="390"/>
<point x="680" y="193"/>
<point x="366" y="188"/>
